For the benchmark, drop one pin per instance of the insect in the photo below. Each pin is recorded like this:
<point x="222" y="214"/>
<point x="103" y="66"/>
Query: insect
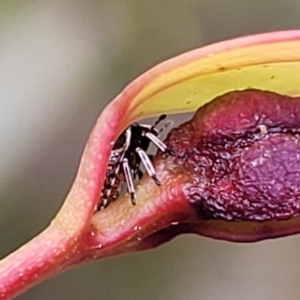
<point x="126" y="157"/>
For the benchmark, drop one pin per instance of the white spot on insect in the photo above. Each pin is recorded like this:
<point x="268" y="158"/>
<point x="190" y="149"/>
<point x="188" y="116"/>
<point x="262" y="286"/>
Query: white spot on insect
<point x="174" y="223"/>
<point x="136" y="228"/>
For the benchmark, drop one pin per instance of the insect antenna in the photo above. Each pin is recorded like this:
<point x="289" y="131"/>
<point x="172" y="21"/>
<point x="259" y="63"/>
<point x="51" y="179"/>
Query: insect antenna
<point x="160" y="118"/>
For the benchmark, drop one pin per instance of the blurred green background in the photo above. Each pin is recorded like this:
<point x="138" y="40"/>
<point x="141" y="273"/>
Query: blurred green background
<point x="61" y="61"/>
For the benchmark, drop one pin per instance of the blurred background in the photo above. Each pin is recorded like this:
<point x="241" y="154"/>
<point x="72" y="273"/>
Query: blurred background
<point x="61" y="61"/>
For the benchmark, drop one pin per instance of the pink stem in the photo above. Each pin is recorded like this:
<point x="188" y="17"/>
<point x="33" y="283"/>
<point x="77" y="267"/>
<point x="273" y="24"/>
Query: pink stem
<point x="43" y="256"/>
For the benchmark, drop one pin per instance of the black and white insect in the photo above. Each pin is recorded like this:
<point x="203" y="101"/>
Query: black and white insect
<point x="129" y="151"/>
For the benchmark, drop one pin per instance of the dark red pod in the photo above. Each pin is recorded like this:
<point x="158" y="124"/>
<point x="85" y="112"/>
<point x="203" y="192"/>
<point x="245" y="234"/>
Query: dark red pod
<point x="245" y="156"/>
<point x="243" y="153"/>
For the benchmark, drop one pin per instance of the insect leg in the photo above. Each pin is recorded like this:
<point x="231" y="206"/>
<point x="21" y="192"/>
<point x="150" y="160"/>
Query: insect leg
<point x="129" y="181"/>
<point x="159" y="144"/>
<point x="128" y="134"/>
<point x="156" y="141"/>
<point x="148" y="164"/>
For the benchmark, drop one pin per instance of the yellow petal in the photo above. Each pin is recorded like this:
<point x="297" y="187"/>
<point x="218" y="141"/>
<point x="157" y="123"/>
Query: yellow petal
<point x="267" y="61"/>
